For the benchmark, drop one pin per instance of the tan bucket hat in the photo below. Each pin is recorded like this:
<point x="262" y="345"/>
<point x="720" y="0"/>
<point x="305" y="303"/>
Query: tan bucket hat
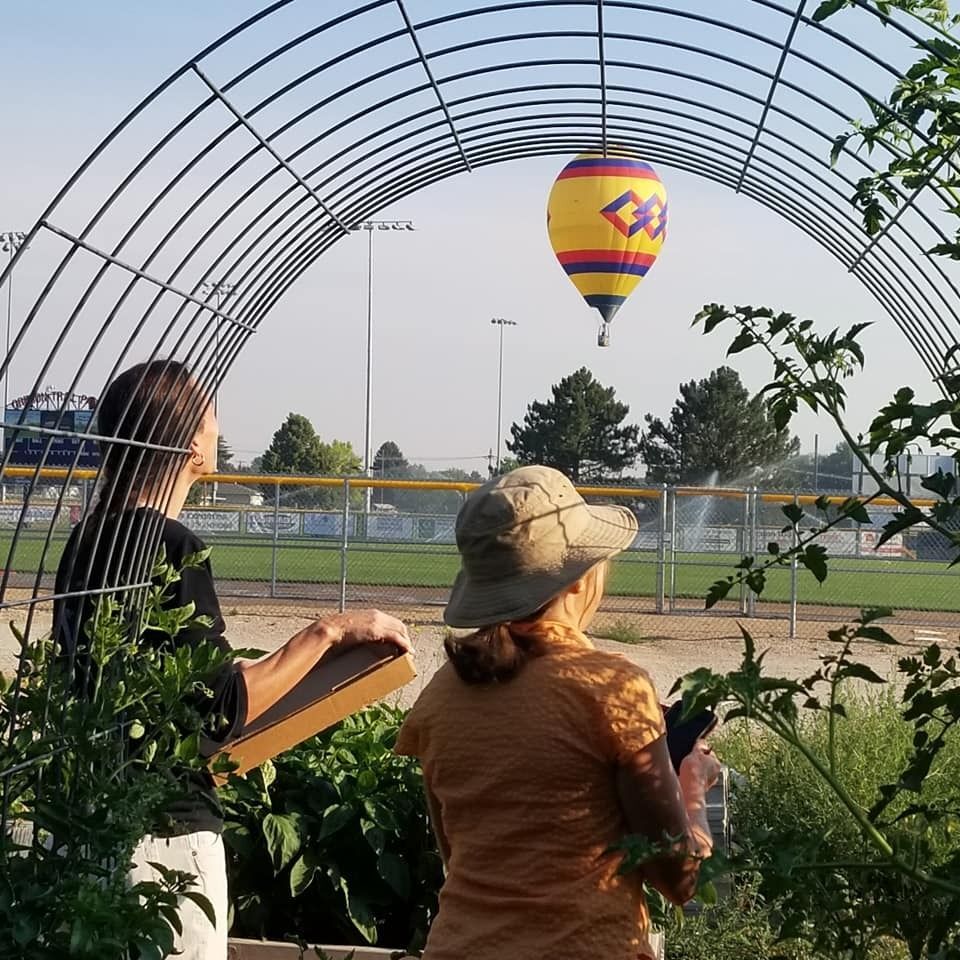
<point x="525" y="537"/>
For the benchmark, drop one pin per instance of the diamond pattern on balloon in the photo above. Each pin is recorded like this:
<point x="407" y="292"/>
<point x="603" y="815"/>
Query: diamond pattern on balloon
<point x="630" y="213"/>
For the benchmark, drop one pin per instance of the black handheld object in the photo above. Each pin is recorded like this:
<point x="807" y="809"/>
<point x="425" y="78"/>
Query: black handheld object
<point x="683" y="734"/>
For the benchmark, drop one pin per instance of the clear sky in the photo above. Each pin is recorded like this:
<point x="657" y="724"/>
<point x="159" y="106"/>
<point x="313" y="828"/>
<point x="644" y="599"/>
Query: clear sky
<point x="480" y="250"/>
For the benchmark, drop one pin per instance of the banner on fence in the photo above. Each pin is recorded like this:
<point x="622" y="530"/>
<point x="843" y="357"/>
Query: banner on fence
<point x="287" y="524"/>
<point x="10" y="515"/>
<point x="393" y="527"/>
<point x="435" y="530"/>
<point x="894" y="548"/>
<point x="839" y="543"/>
<point x="212" y="521"/>
<point x="708" y="539"/>
<point x="327" y="525"/>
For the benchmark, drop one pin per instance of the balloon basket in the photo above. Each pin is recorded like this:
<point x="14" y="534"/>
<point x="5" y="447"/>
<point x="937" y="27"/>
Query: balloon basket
<point x="603" y="335"/>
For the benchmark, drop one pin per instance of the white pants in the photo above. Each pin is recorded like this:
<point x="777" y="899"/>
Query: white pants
<point x="201" y="854"/>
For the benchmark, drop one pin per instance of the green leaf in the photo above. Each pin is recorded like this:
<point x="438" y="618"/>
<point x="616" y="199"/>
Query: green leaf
<point x="793" y="512"/>
<point x="707" y="894"/>
<point x="876" y="633"/>
<point x="395" y="872"/>
<point x="839" y="145"/>
<point x="718" y="591"/>
<point x="861" y="671"/>
<point x="358" y="908"/>
<point x="374" y="835"/>
<point x="743" y="341"/>
<point x="855" y="510"/>
<point x="188" y="748"/>
<point x="901" y="521"/>
<point x="203" y="903"/>
<point x="827" y="9"/>
<point x="282" y="833"/>
<point x="136" y="730"/>
<point x="749" y="647"/>
<point x="712" y="315"/>
<point x="196" y="559"/>
<point x="814" y="558"/>
<point x="268" y="773"/>
<point x="779" y="323"/>
<point x="301" y="874"/>
<point x="870" y="614"/>
<point x="25" y="929"/>
<point x="335" y="818"/>
<point x="172" y="916"/>
<point x="940" y="483"/>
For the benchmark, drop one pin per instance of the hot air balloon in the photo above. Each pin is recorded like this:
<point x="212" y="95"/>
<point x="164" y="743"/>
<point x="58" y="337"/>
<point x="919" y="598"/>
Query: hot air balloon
<point x="607" y="219"/>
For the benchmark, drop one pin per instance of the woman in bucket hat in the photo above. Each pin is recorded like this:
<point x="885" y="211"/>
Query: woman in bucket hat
<point x="540" y="752"/>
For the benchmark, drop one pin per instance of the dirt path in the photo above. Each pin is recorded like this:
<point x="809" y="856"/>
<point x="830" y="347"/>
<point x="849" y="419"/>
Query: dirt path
<point x="666" y="657"/>
<point x="666" y="646"/>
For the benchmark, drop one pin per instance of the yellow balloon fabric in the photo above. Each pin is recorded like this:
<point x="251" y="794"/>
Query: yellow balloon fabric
<point x="607" y="220"/>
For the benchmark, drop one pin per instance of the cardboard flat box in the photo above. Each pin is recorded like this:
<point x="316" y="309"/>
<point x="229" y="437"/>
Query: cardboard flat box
<point x="336" y="687"/>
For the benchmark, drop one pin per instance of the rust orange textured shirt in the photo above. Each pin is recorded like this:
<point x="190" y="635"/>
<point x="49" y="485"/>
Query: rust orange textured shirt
<point x="524" y="773"/>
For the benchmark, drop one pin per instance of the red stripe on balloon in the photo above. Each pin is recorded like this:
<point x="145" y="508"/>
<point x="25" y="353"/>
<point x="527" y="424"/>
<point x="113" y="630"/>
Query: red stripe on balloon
<point x="607" y="256"/>
<point x="611" y="170"/>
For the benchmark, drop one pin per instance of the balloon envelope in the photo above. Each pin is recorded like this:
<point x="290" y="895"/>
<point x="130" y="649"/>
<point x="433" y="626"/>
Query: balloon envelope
<point x="607" y="220"/>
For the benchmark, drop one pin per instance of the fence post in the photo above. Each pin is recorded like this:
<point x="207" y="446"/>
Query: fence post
<point x="276" y="538"/>
<point x="672" y="499"/>
<point x="754" y="529"/>
<point x="661" y="548"/>
<point x="344" y="544"/>
<point x="794" y="541"/>
<point x="745" y="549"/>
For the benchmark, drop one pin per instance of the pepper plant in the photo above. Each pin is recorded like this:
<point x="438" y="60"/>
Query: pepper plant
<point x="331" y="842"/>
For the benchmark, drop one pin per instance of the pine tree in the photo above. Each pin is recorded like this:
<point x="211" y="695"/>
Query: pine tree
<point x="579" y="431"/>
<point x="716" y="432"/>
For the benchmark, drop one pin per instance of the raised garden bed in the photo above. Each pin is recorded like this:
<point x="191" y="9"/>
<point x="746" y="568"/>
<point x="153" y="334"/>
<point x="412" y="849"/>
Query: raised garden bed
<point x="269" y="950"/>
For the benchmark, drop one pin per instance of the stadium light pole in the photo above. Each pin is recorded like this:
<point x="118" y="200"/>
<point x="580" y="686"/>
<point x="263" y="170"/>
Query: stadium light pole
<point x="501" y="323"/>
<point x="370" y="226"/>
<point x="222" y="291"/>
<point x="10" y="242"/>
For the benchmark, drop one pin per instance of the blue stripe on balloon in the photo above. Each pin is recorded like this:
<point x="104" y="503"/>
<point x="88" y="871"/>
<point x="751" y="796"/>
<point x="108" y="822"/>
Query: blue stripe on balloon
<point x="598" y="266"/>
<point x="610" y="161"/>
<point x="600" y="300"/>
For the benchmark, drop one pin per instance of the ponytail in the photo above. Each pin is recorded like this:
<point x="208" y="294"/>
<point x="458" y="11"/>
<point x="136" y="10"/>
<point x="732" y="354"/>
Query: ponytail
<point x="493" y="654"/>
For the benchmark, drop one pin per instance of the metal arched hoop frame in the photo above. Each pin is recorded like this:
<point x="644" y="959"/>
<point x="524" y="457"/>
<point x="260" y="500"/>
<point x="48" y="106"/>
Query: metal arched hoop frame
<point x="245" y="171"/>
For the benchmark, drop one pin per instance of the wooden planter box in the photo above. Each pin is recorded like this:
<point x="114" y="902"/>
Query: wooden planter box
<point x="270" y="950"/>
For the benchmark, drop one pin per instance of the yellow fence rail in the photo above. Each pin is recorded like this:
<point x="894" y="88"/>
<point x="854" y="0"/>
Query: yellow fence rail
<point x="362" y="483"/>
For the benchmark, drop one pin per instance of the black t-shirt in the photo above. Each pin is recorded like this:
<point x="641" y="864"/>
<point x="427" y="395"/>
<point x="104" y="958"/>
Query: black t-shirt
<point x="112" y="559"/>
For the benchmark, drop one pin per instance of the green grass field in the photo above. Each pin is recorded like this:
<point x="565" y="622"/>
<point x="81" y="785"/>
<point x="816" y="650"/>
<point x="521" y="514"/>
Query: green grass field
<point x="901" y="584"/>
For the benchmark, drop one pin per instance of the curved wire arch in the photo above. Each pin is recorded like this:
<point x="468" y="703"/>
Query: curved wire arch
<point x="457" y="97"/>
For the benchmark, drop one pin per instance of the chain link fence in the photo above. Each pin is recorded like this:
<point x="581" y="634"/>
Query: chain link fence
<point x="312" y="543"/>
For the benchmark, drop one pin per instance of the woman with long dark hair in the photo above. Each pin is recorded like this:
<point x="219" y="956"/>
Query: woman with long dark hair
<point x="153" y="411"/>
<point x="541" y="753"/>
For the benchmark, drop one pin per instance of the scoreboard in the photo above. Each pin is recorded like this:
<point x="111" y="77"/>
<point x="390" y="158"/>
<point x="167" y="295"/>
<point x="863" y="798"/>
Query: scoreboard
<point x="26" y="447"/>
